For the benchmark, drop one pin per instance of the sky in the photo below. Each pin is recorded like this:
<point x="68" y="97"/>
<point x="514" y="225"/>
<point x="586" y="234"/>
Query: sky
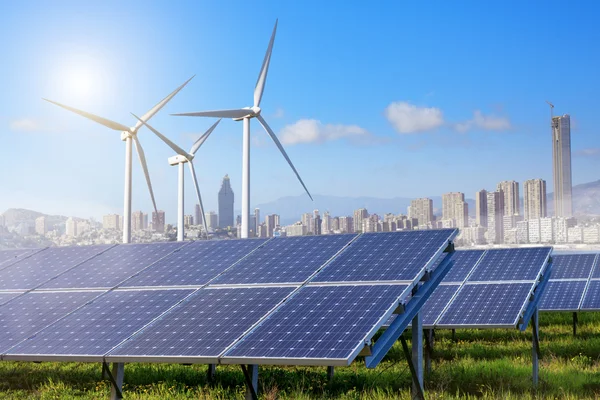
<point x="392" y="98"/>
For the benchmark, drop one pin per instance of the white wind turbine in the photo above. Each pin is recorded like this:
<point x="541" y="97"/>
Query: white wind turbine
<point x="245" y="114"/>
<point x="180" y="159"/>
<point x="128" y="135"/>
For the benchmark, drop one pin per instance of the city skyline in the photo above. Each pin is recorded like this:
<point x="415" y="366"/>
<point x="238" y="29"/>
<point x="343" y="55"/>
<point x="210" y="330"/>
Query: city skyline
<point x="408" y="110"/>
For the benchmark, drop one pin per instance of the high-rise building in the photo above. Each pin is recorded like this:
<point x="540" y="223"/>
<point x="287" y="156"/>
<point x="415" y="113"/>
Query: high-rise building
<point x="226" y="205"/>
<point x="510" y="190"/>
<point x="422" y="210"/>
<point x="198" y="215"/>
<point x="481" y="210"/>
<point x="212" y="220"/>
<point x="111" y="221"/>
<point x="188" y="220"/>
<point x="271" y="222"/>
<point x="158" y="221"/>
<point x="347" y="224"/>
<point x="317" y="224"/>
<point x="495" y="208"/>
<point x="41" y="226"/>
<point x="137" y="221"/>
<point x="257" y="220"/>
<point x="326" y="224"/>
<point x="454" y="208"/>
<point x="335" y="224"/>
<point x="359" y="215"/>
<point x="71" y="227"/>
<point x="561" y="162"/>
<point x="534" y="197"/>
<point x="307" y="221"/>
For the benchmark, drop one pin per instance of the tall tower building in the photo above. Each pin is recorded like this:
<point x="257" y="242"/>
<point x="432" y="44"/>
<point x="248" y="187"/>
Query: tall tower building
<point x="257" y="220"/>
<point x="271" y="222"/>
<point x="359" y="215"/>
<point x="137" y="221"/>
<point x="41" y="226"/>
<point x="495" y="208"/>
<point x="226" y="204"/>
<point x="422" y="210"/>
<point x="534" y="197"/>
<point x="561" y="162"/>
<point x="212" y="220"/>
<point x="455" y="208"/>
<point x="198" y="215"/>
<point x="158" y="221"/>
<point x="510" y="190"/>
<point x="481" y="210"/>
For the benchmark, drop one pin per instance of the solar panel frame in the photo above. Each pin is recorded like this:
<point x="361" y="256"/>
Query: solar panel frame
<point x="566" y="266"/>
<point x="475" y="277"/>
<point x="557" y="287"/>
<point x="21" y="254"/>
<point x="592" y="295"/>
<point x="596" y="269"/>
<point x="452" y="274"/>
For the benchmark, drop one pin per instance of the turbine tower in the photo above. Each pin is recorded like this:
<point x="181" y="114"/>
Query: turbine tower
<point x="245" y="114"/>
<point x="180" y="159"/>
<point x="129" y="135"/>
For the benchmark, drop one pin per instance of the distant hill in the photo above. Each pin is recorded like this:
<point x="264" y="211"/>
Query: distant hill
<point x="16" y="216"/>
<point x="586" y="199"/>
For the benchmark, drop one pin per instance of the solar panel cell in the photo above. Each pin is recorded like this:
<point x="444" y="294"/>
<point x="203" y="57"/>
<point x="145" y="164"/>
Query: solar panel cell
<point x="463" y="263"/>
<point x="112" y="267"/>
<point x="572" y="266"/>
<point x="591" y="300"/>
<point x="596" y="271"/>
<point x="96" y="328"/>
<point x="195" y="264"/>
<point x="486" y="305"/>
<point x="204" y="325"/>
<point x="511" y="264"/>
<point x="9" y="256"/>
<point x="40" y="267"/>
<point x="320" y="322"/>
<point x="562" y="295"/>
<point x="285" y="260"/>
<point x="388" y="256"/>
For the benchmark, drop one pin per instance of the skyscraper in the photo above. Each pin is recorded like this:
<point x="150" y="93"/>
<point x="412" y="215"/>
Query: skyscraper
<point x="561" y="162"/>
<point x="481" y="210"/>
<point x="359" y="215"/>
<point x="212" y="220"/>
<point x="510" y="190"/>
<point x="197" y="215"/>
<point x="455" y="208"/>
<point x="226" y="204"/>
<point x="257" y="221"/>
<point x="422" y="210"/>
<point x="137" y="221"/>
<point x="495" y="208"/>
<point x="158" y="221"/>
<point x="534" y="197"/>
<point x="271" y="222"/>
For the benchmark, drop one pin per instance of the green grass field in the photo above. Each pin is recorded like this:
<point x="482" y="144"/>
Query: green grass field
<point x="488" y="364"/>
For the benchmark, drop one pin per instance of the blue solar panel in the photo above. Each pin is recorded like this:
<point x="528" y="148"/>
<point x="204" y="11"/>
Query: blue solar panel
<point x="572" y="266"/>
<point x="40" y="267"/>
<point x="463" y="263"/>
<point x="7" y="296"/>
<point x="195" y="264"/>
<point x="31" y="312"/>
<point x="511" y="264"/>
<point x="321" y="322"/>
<point x="96" y="328"/>
<point x="205" y="324"/>
<point x="436" y="303"/>
<point x="591" y="300"/>
<point x="285" y="260"/>
<point x="112" y="267"/>
<point x="9" y="256"/>
<point x="481" y="305"/>
<point x="596" y="271"/>
<point x="562" y="295"/>
<point x="387" y="256"/>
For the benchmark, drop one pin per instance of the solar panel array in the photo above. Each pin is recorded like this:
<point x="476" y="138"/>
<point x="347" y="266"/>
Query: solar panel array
<point x="575" y="284"/>
<point x="284" y="300"/>
<point x="486" y="288"/>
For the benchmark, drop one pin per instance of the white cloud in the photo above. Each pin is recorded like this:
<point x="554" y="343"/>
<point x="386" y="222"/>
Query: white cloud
<point x="313" y="131"/>
<point x="408" y="118"/>
<point x="25" y="125"/>
<point x="279" y="113"/>
<point x="590" y="152"/>
<point x="484" y="122"/>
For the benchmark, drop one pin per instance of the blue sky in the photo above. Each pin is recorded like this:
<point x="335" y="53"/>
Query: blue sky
<point x="388" y="99"/>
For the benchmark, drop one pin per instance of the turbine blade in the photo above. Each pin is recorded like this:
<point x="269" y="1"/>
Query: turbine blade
<point x="278" y="143"/>
<point x="193" y="171"/>
<point x="203" y="138"/>
<point x="142" y="157"/>
<point x="160" y="105"/>
<point x="165" y="139"/>
<point x="103" y="121"/>
<point x="236" y="113"/>
<point x="262" y="77"/>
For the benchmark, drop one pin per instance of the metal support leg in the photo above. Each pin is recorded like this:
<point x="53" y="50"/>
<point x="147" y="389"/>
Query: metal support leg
<point x="251" y="376"/>
<point x="575" y="324"/>
<point x="417" y="354"/>
<point x="454" y="335"/>
<point x="536" y="347"/>
<point x="330" y="371"/>
<point x="116" y="379"/>
<point x="428" y="350"/>
<point x="210" y="373"/>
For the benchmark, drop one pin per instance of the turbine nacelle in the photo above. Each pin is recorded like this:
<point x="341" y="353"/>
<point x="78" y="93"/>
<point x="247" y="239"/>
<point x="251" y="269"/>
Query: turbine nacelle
<point x="179" y="159"/>
<point x="253" y="112"/>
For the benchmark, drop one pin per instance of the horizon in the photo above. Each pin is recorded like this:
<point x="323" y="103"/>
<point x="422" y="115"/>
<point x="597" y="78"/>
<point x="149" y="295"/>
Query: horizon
<point x="460" y="101"/>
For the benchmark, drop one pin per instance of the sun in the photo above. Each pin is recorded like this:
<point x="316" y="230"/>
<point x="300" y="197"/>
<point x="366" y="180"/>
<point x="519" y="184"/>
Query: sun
<point x="81" y="82"/>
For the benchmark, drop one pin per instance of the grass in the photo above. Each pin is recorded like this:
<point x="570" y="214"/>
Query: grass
<point x="479" y="364"/>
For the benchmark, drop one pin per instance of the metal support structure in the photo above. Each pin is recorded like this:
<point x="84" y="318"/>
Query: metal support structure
<point x="532" y="307"/>
<point x="429" y="337"/>
<point x="210" y="373"/>
<point x="251" y="377"/>
<point x="181" y="204"/>
<point x="246" y="180"/>
<point x="330" y="371"/>
<point x="127" y="196"/>
<point x="536" y="347"/>
<point x="575" y="324"/>
<point x="454" y="335"/>
<point x="415" y="395"/>
<point x="417" y="355"/>
<point x="116" y="379"/>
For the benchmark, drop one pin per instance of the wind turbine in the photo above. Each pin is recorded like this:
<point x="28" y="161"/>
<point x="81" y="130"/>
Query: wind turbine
<point x="180" y="159"/>
<point x="245" y="114"/>
<point x="128" y="135"/>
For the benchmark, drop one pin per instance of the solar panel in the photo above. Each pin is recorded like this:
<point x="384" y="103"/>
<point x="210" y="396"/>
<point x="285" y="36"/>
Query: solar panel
<point x="328" y="323"/>
<point x="203" y="326"/>
<point x="511" y="264"/>
<point x="285" y="260"/>
<point x="486" y="305"/>
<point x="596" y="271"/>
<point x="12" y="255"/>
<point x="33" y="311"/>
<point x="572" y="266"/>
<point x="433" y="307"/>
<point x="112" y="267"/>
<point x="387" y="256"/>
<point x="591" y="300"/>
<point x="463" y="263"/>
<point x="7" y="296"/>
<point x="93" y="330"/>
<point x="562" y="295"/>
<point x="40" y="267"/>
<point x="195" y="264"/>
